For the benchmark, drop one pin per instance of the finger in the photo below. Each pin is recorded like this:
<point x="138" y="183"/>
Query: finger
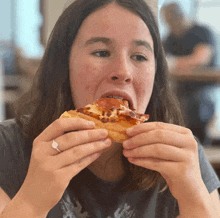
<point x="60" y="126"/>
<point x="77" y="153"/>
<point x="73" y="169"/>
<point x="167" y="169"/>
<point x="157" y="151"/>
<point x="158" y="165"/>
<point x="149" y="126"/>
<point x="159" y="136"/>
<point x="73" y="139"/>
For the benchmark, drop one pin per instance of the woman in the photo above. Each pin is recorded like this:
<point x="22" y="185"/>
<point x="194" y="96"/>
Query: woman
<point x="93" y="52"/>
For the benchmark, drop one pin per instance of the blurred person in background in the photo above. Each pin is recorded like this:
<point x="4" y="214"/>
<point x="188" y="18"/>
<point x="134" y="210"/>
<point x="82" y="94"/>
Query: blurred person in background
<point x="189" y="45"/>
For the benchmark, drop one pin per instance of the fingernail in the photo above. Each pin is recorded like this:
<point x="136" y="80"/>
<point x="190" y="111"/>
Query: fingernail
<point x="107" y="141"/>
<point x="129" y="130"/>
<point x="103" y="132"/>
<point x="126" y="143"/>
<point x="91" y="123"/>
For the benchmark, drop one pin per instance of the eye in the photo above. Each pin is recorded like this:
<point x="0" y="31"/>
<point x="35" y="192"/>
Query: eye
<point x="140" y="58"/>
<point x="101" y="54"/>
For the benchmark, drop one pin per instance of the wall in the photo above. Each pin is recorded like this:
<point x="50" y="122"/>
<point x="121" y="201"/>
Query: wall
<point x="5" y="17"/>
<point x="52" y="10"/>
<point x="208" y="14"/>
<point x="27" y="21"/>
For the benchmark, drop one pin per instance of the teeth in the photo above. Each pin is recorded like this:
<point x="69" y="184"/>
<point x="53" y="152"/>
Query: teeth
<point x="118" y="97"/>
<point x="114" y="96"/>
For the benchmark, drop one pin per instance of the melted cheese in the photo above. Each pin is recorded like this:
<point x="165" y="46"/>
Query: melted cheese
<point x="113" y="114"/>
<point x="94" y="109"/>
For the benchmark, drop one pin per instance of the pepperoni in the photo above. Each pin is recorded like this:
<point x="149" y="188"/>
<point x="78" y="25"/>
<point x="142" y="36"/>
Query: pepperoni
<point x="108" y="103"/>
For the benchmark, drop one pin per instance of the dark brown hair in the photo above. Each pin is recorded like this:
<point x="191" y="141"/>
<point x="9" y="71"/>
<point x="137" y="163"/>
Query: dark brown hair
<point x="50" y="93"/>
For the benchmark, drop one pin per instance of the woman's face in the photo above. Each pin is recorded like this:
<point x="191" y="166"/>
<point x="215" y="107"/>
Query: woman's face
<point x="113" y="54"/>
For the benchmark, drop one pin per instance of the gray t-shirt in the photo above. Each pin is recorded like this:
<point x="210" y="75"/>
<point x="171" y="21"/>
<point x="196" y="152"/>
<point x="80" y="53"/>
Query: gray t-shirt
<point x="96" y="198"/>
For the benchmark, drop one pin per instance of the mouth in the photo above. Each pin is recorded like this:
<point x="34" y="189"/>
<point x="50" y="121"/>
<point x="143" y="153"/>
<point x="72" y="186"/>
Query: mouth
<point x="123" y="97"/>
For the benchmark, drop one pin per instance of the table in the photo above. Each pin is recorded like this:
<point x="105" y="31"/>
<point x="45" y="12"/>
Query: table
<point x="199" y="74"/>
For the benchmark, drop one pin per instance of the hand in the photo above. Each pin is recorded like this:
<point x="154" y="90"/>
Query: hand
<point x="170" y="150"/>
<point x="49" y="171"/>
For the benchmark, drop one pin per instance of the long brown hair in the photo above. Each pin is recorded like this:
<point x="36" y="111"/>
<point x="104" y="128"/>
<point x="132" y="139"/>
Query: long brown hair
<point x="50" y="93"/>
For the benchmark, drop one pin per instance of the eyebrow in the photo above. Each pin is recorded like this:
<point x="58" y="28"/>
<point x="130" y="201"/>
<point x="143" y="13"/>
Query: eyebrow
<point x="108" y="41"/>
<point x="143" y="43"/>
<point x="98" y="39"/>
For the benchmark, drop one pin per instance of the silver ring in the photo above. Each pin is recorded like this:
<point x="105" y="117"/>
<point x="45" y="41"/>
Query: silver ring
<point x="55" y="146"/>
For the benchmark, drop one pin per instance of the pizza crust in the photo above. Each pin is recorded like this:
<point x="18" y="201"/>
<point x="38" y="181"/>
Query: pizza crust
<point x="111" y="114"/>
<point x="116" y="131"/>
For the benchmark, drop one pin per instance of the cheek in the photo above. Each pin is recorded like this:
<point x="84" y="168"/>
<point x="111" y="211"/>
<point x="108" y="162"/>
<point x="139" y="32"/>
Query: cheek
<point x="145" y="80"/>
<point x="83" y="75"/>
<point x="144" y="87"/>
<point x="85" y="78"/>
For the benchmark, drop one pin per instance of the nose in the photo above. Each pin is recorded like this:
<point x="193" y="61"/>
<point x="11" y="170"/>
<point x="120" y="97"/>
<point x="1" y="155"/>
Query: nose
<point x="121" y="70"/>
